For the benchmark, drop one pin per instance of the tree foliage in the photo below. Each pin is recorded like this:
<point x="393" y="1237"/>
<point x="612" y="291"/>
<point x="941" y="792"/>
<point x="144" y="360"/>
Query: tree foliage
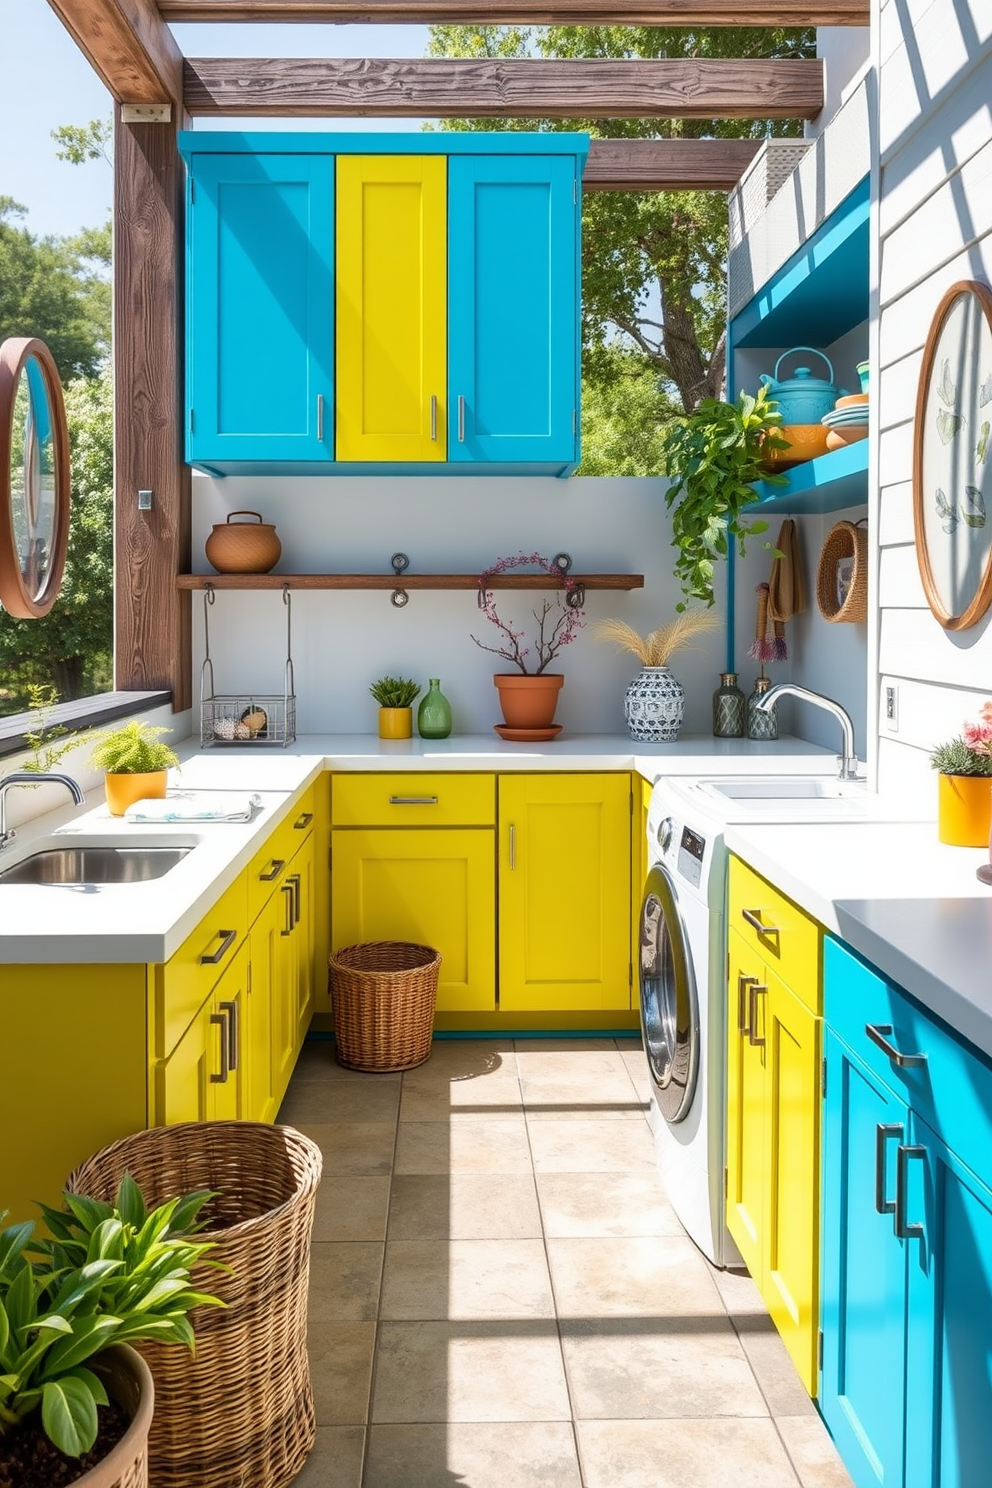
<point x="55" y="289"/>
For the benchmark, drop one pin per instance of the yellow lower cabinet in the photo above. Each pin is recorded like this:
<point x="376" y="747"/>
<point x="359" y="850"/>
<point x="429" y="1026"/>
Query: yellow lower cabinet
<point x="206" y="1073"/>
<point x="433" y="886"/>
<point x="746" y="1093"/>
<point x="564" y="892"/>
<point x="300" y="878"/>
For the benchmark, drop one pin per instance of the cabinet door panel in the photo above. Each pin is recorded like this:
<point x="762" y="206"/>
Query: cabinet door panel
<point x="182" y="1082"/>
<point x="261" y="321"/>
<point x="512" y="312"/>
<point x="564" y="896"/>
<point x="435" y="888"/>
<point x="391" y="325"/>
<point x="300" y="878"/>
<point x="746" y="1137"/>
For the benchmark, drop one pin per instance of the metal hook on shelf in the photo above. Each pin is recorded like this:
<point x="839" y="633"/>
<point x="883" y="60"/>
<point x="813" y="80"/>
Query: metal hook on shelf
<point x="399" y="597"/>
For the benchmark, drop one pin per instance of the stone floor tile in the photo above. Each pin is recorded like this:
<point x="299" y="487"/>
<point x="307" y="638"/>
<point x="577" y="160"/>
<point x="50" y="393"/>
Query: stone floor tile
<point x="645" y="1277"/>
<point x="318" y="1061"/>
<point x="437" y="1372"/>
<point x="353" y="1147"/>
<point x="344" y="1282"/>
<point x="465" y="1060"/>
<point x="566" y="1047"/>
<point x="814" y="1456"/>
<point x="626" y="1368"/>
<point x="611" y="1098"/>
<point x="336" y="1459"/>
<point x="471" y="1100"/>
<point x="740" y="1295"/>
<point x="683" y="1454"/>
<point x="773" y="1368"/>
<point x="341" y="1371"/>
<point x="464" y="1206"/>
<point x="592" y="1147"/>
<point x="466" y="1279"/>
<point x="636" y="1066"/>
<point x="323" y="1101"/>
<point x="591" y="1205"/>
<point x="498" y="1146"/>
<point x="474" y="1454"/>
<point x="353" y="1209"/>
<point x="574" y="1061"/>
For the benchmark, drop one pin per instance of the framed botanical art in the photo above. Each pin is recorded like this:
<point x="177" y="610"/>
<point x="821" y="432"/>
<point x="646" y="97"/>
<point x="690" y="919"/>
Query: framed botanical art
<point x="952" y="458"/>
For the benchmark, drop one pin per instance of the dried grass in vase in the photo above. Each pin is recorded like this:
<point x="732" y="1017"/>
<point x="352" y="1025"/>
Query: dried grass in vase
<point x="658" y="647"/>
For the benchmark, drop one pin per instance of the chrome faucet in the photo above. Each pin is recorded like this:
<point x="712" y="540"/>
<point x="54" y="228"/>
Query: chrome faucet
<point x="30" y="777"/>
<point x="848" y="761"/>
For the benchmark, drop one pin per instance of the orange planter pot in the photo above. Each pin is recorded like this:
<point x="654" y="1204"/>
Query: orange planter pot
<point x="124" y="790"/>
<point x="964" y="810"/>
<point x="395" y="723"/>
<point x="528" y="702"/>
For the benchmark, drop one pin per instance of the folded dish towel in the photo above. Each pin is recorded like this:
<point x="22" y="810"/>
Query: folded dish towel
<point x="190" y="806"/>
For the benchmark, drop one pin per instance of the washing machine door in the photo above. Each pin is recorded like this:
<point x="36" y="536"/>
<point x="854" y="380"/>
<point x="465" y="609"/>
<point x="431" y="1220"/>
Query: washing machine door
<point x="669" y="1010"/>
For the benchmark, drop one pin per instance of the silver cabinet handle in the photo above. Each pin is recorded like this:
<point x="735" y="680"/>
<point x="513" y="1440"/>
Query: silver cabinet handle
<point x="233" y="1032"/>
<point x="882" y="1134"/>
<point x="875" y="1032"/>
<point x="434" y="415"/>
<point x="278" y="864"/>
<point x="302" y="822"/>
<point x="461" y="419"/>
<point x="513" y="846"/>
<point x="293" y="879"/>
<point x="287" y="889"/>
<point x="225" y="1039"/>
<point x="903" y="1230"/>
<point x="754" y="992"/>
<point x="752" y="917"/>
<point x="743" y="982"/>
<point x="228" y="937"/>
<point x="413" y="800"/>
<point x="320" y="418"/>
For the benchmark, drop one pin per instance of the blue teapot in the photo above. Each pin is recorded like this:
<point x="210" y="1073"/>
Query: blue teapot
<point x="802" y="398"/>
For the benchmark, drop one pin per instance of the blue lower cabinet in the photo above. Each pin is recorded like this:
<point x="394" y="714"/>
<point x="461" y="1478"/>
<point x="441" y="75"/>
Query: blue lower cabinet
<point x="513" y="319"/>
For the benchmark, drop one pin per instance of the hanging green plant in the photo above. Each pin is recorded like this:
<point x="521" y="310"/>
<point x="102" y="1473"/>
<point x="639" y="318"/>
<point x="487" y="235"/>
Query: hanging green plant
<point x="713" y="457"/>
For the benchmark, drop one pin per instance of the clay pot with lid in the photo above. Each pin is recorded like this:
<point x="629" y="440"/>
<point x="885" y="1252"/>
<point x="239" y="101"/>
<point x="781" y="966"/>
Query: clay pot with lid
<point x="243" y="547"/>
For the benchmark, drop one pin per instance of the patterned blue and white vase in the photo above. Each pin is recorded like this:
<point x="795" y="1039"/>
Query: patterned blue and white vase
<point x="654" y="705"/>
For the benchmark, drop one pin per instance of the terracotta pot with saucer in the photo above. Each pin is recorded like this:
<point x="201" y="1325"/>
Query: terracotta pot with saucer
<point x="528" y="705"/>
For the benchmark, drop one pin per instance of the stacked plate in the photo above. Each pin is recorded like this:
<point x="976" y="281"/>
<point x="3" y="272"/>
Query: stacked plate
<point x="847" y="422"/>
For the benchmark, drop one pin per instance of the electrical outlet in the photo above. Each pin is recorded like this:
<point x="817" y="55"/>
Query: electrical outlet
<point x="892" y="709"/>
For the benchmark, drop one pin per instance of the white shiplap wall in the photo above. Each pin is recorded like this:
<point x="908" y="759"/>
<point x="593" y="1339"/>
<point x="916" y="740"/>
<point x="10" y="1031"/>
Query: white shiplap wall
<point x="934" y="224"/>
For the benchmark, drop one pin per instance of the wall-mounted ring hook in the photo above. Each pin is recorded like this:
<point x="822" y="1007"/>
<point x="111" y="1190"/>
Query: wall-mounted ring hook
<point x="399" y="597"/>
<point x="575" y="597"/>
<point x="562" y="561"/>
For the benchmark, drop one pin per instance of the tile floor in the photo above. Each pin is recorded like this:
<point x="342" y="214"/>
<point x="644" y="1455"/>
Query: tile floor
<point x="502" y="1298"/>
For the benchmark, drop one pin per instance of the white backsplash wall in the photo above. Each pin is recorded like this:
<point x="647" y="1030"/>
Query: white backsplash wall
<point x="343" y="640"/>
<point x="935" y="227"/>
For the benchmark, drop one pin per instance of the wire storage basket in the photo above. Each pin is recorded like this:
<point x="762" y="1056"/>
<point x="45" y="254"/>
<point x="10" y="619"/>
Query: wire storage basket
<point x="382" y="996"/>
<point x="246" y="717"/>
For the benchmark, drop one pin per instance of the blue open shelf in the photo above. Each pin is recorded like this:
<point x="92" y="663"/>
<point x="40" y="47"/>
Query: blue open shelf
<point x="828" y="484"/>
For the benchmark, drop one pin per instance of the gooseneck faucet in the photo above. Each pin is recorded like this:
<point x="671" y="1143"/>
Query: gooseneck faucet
<point x="848" y="761"/>
<point x="31" y="777"/>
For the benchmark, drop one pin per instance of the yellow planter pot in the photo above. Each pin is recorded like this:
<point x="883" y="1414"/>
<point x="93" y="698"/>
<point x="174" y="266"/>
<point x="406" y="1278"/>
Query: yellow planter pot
<point x="124" y="790"/>
<point x="964" y="814"/>
<point x="395" y="723"/>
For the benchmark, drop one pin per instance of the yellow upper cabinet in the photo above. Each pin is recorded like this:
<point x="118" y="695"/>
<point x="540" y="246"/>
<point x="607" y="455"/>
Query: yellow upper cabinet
<point x="391" y="308"/>
<point x="564" y="892"/>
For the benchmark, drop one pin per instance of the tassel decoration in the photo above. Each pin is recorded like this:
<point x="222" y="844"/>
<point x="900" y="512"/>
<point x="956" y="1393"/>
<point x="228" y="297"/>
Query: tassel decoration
<point x="762" y="649"/>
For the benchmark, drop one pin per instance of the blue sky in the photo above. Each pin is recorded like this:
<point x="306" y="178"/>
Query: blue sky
<point x="37" y="96"/>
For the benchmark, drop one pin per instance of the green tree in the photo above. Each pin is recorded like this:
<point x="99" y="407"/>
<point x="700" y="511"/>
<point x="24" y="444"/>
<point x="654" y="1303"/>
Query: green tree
<point x="48" y="289"/>
<point x="623" y="416"/>
<point x="71" y="648"/>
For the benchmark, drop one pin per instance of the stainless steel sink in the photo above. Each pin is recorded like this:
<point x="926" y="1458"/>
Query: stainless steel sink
<point x="799" y="788"/>
<point x="94" y="865"/>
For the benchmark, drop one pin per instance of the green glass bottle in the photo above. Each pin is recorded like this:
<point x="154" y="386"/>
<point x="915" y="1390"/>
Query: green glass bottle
<point x="434" y="713"/>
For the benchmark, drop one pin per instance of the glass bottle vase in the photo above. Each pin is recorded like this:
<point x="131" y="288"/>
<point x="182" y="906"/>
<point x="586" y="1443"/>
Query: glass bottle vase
<point x="761" y="725"/>
<point x="729" y="709"/>
<point x="434" y="713"/>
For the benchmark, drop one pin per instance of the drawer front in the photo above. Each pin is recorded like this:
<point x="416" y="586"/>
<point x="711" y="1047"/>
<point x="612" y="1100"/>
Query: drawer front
<point x="413" y="800"/>
<point x="268" y="867"/>
<point x="781" y="933"/>
<point x="187" y="978"/>
<point x="947" y="1084"/>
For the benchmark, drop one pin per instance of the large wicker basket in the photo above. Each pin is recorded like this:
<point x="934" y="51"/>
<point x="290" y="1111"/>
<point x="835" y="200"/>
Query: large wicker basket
<point x="239" y="1412"/>
<point x="383" y="995"/>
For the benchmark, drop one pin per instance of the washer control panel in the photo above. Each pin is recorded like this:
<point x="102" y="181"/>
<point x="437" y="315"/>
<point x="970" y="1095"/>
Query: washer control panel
<point x="664" y="834"/>
<point x="692" y="847"/>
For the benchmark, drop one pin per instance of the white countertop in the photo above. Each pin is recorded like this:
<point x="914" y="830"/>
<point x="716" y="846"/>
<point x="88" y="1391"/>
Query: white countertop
<point x="910" y="905"/>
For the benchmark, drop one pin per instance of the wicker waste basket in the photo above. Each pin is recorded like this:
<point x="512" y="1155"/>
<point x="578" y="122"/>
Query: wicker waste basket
<point x="382" y="996"/>
<point x="239" y="1412"/>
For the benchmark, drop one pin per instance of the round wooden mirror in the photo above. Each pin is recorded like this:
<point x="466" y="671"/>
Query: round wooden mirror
<point x="34" y="479"/>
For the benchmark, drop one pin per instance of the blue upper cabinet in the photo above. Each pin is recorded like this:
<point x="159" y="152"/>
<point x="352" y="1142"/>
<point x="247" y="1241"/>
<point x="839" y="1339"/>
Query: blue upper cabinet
<point x="513" y="355"/>
<point x="260" y="343"/>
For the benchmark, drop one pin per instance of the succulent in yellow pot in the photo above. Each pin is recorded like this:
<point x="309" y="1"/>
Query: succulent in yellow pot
<point x="395" y="697"/>
<point x="135" y="763"/>
<point x="964" y="803"/>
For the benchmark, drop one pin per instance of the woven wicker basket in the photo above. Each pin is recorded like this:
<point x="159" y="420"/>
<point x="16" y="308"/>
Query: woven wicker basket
<point x="844" y="540"/>
<point x="238" y="1413"/>
<point x="383" y="995"/>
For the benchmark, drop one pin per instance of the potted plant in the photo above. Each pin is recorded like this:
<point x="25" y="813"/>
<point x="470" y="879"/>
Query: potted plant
<point x="713" y="457"/>
<point x="654" y="703"/>
<point x="964" y="801"/>
<point x="529" y="696"/>
<point x="135" y="762"/>
<point x="395" y="696"/>
<point x="75" y="1401"/>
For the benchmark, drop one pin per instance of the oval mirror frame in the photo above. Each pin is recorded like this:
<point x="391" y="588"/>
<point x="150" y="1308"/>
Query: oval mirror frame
<point x="957" y="410"/>
<point x="15" y="354"/>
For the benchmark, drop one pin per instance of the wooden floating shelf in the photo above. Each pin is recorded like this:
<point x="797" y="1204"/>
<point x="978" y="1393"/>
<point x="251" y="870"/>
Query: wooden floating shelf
<point x="402" y="581"/>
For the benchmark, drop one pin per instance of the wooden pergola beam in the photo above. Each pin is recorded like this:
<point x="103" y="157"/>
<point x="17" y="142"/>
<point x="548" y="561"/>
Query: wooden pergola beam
<point x="129" y="47"/>
<point x="456" y="87"/>
<point x="527" y="12"/>
<point x="667" y="165"/>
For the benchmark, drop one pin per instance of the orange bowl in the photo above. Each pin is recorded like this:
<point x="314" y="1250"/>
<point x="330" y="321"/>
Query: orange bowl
<point x="852" y="400"/>
<point x="838" y="438"/>
<point x="806" y="441"/>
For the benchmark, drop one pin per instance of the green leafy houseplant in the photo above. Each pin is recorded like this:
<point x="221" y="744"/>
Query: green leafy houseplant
<point x="134" y="749"/>
<point x="109" y="1274"/>
<point x="713" y="457"/>
<point x="394" y="692"/>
